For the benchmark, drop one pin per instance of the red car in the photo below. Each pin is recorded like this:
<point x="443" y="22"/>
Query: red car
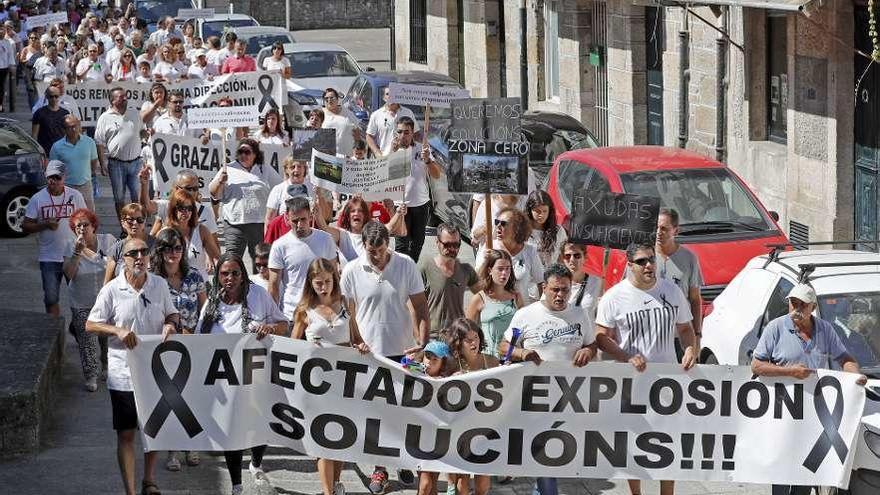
<point x="721" y="219"/>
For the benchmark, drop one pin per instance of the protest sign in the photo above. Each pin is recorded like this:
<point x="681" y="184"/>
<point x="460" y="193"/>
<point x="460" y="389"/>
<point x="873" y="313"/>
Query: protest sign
<point x="223" y="117"/>
<point x="421" y="95"/>
<point x="303" y="141"/>
<point x="613" y="220"/>
<point x="206" y="13"/>
<point x="374" y="179"/>
<point x="36" y="21"/>
<point x="171" y="154"/>
<point x="263" y="89"/>
<point x="605" y="420"/>
<point x="487" y="151"/>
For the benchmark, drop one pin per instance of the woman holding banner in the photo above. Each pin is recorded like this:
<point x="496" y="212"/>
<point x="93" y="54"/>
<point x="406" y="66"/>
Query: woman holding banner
<point x="235" y="305"/>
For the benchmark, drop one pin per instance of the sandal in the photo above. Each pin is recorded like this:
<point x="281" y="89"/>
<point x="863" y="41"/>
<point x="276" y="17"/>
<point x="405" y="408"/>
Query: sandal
<point x="150" y="488"/>
<point x="192" y="458"/>
<point x="172" y="464"/>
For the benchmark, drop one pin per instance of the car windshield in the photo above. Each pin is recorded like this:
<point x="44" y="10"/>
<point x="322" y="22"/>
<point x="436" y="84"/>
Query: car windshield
<point x="708" y="201"/>
<point x="856" y="318"/>
<point x="260" y="41"/>
<point x="14" y="142"/>
<point x="217" y="28"/>
<point x="323" y="64"/>
<point x="151" y="10"/>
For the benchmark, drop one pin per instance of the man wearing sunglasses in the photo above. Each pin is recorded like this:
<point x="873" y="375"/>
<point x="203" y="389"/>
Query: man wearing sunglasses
<point x="134" y="303"/>
<point x="645" y="314"/>
<point x="47" y="124"/>
<point x="46" y="215"/>
<point x="446" y="279"/>
<point x="80" y="154"/>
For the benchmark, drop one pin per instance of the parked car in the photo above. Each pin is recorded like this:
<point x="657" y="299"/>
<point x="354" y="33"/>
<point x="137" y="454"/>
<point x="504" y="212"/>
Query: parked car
<point x="548" y="133"/>
<point x="21" y="175"/>
<point x="151" y="10"/>
<point x="847" y="285"/>
<point x="220" y="23"/>
<point x="721" y="219"/>
<point x="259" y="37"/>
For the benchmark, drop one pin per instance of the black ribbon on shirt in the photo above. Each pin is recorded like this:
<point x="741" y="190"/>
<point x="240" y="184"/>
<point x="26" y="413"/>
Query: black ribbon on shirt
<point x="172" y="390"/>
<point x="145" y="300"/>
<point x="830" y="436"/>
<point x="266" y="91"/>
<point x="159" y="151"/>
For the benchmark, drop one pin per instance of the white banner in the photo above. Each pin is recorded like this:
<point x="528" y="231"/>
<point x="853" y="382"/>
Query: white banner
<point x="203" y="14"/>
<point x="436" y="96"/>
<point x="171" y="154"/>
<point x="605" y="420"/>
<point x="36" y="21"/>
<point x="263" y="89"/>
<point x="222" y="117"/>
<point x="374" y="179"/>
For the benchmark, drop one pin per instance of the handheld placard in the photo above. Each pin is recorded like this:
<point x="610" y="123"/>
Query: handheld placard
<point x="516" y="333"/>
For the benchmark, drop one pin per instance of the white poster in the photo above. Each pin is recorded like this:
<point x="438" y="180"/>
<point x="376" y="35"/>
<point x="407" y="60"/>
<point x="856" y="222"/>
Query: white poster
<point x="374" y="179"/>
<point x="263" y="89"/>
<point x="222" y="117"/>
<point x="605" y="420"/>
<point x="416" y="94"/>
<point x="36" y="21"/>
<point x="203" y="14"/>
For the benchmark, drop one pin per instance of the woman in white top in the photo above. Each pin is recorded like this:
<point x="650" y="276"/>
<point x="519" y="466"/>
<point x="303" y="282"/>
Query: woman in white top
<point x="85" y="260"/>
<point x="202" y="250"/>
<point x="512" y="231"/>
<point x="189" y="32"/>
<point x="479" y="230"/>
<point x="271" y="132"/>
<point x="169" y="68"/>
<point x="355" y="214"/>
<point x="125" y="69"/>
<point x="547" y="236"/>
<point x="323" y="316"/>
<point x="278" y="60"/>
<point x="295" y="181"/>
<point x="157" y="105"/>
<point x="235" y="305"/>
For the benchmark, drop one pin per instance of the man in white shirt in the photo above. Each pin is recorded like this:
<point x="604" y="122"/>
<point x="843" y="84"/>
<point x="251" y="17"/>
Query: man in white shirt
<point x="644" y="313"/>
<point x="201" y="68"/>
<point x="114" y="54"/>
<point x="50" y="66"/>
<point x="292" y="254"/>
<point x="7" y="61"/>
<point x="383" y="125"/>
<point x="174" y="120"/>
<point x="134" y="303"/>
<point x="93" y="68"/>
<point x="118" y="136"/>
<point x="47" y="214"/>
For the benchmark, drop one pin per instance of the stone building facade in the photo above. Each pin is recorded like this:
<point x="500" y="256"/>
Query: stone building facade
<point x="313" y="14"/>
<point x="789" y="123"/>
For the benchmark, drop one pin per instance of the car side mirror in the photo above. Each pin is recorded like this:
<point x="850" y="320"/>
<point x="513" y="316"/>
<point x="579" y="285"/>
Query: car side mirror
<point x="774" y="215"/>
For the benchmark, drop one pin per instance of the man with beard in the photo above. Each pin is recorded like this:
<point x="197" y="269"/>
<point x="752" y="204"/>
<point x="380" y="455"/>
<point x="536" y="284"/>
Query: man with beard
<point x="294" y="252"/>
<point x="134" y="303"/>
<point x="118" y="136"/>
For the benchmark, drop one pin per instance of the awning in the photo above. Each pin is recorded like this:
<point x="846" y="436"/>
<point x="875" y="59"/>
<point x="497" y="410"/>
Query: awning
<point x="784" y="5"/>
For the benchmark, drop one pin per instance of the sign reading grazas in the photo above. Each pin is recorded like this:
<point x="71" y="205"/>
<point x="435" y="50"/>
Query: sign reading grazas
<point x="613" y="220"/>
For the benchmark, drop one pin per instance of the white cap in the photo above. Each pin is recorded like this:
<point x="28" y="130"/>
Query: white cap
<point x="803" y="292"/>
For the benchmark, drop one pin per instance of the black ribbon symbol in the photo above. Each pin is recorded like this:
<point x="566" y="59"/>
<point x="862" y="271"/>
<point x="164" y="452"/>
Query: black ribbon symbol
<point x="145" y="300"/>
<point x="830" y="436"/>
<point x="159" y="151"/>
<point x="171" y="389"/>
<point x="266" y="92"/>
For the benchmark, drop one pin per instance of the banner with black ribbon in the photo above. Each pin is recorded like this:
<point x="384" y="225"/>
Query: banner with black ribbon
<point x="604" y="420"/>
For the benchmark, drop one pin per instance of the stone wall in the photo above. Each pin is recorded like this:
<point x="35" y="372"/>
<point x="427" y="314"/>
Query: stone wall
<point x="314" y="14"/>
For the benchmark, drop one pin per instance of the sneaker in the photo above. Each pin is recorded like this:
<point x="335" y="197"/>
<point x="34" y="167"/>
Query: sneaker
<point x="172" y="464"/>
<point x="92" y="384"/>
<point x="338" y="488"/>
<point x="192" y="458"/>
<point x="406" y="477"/>
<point x="378" y="481"/>
<point x="260" y="478"/>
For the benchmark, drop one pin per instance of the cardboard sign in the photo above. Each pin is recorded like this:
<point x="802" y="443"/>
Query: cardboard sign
<point x="374" y="179"/>
<point x="223" y="117"/>
<point x="486" y="119"/>
<point x="613" y="220"/>
<point x="303" y="141"/>
<point x="195" y="13"/>
<point x="421" y="95"/>
<point x="36" y="21"/>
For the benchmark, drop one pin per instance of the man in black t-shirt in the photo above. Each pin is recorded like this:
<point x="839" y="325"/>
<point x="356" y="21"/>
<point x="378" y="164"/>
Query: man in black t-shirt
<point x="48" y="122"/>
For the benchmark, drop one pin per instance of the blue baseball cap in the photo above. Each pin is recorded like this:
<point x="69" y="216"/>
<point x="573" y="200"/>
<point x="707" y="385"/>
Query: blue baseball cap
<point x="437" y="348"/>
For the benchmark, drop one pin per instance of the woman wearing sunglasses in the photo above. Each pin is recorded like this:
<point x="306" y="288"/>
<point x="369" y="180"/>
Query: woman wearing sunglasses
<point x="584" y="288"/>
<point x="182" y="214"/>
<point x="511" y="234"/>
<point x="132" y="222"/>
<point x="84" y="265"/>
<point x="278" y="60"/>
<point x="28" y="57"/>
<point x="125" y="69"/>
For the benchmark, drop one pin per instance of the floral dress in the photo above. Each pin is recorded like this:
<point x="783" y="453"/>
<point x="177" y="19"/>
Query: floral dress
<point x="186" y="300"/>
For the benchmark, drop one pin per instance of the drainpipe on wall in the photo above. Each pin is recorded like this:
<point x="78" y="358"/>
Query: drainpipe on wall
<point x="393" y="55"/>
<point x="721" y="82"/>
<point x="684" y="76"/>
<point x="523" y="56"/>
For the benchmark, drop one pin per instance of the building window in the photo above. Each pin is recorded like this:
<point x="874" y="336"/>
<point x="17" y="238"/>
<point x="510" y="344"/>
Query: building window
<point x="777" y="77"/>
<point x="418" y="31"/>
<point x="551" y="48"/>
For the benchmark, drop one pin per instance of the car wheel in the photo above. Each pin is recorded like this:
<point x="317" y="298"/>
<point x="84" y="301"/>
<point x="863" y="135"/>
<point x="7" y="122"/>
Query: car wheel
<point x="13" y="207"/>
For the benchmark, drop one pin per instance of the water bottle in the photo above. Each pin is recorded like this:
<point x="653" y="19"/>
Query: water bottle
<point x="516" y="333"/>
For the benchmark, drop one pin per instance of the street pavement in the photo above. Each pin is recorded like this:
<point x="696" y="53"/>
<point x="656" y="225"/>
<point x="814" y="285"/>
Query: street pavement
<point x="78" y="454"/>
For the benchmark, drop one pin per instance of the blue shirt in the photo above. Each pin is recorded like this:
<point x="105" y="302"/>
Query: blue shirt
<point x="781" y="345"/>
<point x="78" y="158"/>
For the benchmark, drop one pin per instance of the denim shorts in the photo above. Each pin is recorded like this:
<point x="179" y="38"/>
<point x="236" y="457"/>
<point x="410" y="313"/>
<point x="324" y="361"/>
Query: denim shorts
<point x="51" y="273"/>
<point x="124" y="175"/>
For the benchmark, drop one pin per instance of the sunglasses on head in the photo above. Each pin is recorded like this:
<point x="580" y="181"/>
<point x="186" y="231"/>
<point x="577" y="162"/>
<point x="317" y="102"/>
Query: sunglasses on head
<point x="644" y="261"/>
<point x="134" y="253"/>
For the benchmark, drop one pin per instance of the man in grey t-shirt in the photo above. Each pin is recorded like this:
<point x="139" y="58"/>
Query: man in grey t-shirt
<point x="679" y="265"/>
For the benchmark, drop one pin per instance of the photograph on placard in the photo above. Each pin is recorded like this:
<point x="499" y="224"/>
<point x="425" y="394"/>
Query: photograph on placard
<point x="328" y="169"/>
<point x="303" y="141"/>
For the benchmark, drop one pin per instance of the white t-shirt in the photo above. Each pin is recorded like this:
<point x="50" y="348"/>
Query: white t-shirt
<point x="276" y="139"/>
<point x="527" y="268"/>
<point x="143" y="312"/>
<point x="383" y="126"/>
<point x="169" y="71"/>
<point x="269" y="63"/>
<point x="278" y="195"/>
<point x="168" y="124"/>
<point x="206" y="214"/>
<point x="83" y="289"/>
<point x="120" y="134"/>
<point x="97" y="70"/>
<point x="293" y="256"/>
<point x="245" y="194"/>
<point x="217" y="57"/>
<point x="334" y="331"/>
<point x="261" y="307"/>
<point x="645" y="320"/>
<point x="585" y="295"/>
<point x="198" y="72"/>
<point x="416" y="192"/>
<point x="555" y="335"/>
<point x="43" y="207"/>
<point x="344" y="123"/>
<point x="380" y="300"/>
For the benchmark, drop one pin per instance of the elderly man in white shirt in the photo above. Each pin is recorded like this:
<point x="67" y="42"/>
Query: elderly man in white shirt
<point x="93" y="67"/>
<point x="118" y="136"/>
